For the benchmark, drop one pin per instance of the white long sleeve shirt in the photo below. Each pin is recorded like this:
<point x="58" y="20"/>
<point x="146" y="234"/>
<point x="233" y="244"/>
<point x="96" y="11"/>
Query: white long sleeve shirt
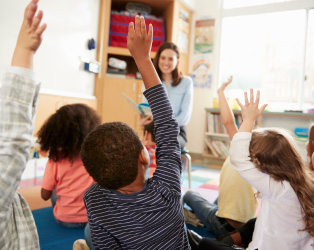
<point x="280" y="216"/>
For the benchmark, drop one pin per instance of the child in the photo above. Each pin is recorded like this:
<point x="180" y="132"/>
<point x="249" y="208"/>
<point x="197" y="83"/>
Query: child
<point x="268" y="159"/>
<point x="62" y="136"/>
<point x="150" y="143"/>
<point x="126" y="211"/>
<point x="236" y="202"/>
<point x="310" y="147"/>
<point x="18" y="100"/>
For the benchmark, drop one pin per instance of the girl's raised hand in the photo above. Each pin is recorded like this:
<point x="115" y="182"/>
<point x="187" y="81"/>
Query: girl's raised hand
<point x="225" y="84"/>
<point x="250" y="110"/>
<point x="138" y="40"/>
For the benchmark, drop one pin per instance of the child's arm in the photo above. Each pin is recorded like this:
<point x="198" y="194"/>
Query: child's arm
<point x="239" y="147"/>
<point x="166" y="128"/>
<point x="225" y="110"/>
<point x="18" y="99"/>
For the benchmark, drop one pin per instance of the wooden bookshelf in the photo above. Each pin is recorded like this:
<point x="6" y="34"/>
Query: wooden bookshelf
<point x="214" y="131"/>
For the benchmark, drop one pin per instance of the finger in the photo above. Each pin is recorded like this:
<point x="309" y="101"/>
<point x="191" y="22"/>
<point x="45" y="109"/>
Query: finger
<point x="150" y="31"/>
<point x="131" y="28"/>
<point x="143" y="26"/>
<point x="239" y="103"/>
<point x="245" y="98"/>
<point x="251" y="96"/>
<point x="262" y="108"/>
<point x="229" y="80"/>
<point x="30" y="11"/>
<point x="257" y="97"/>
<point x="41" y="29"/>
<point x="137" y="24"/>
<point x="36" y="21"/>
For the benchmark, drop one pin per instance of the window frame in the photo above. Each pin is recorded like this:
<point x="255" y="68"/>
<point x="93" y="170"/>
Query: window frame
<point x="306" y="5"/>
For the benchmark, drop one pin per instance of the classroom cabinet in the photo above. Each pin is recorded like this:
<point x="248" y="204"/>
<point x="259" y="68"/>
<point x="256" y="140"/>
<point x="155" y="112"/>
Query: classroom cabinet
<point x="115" y="106"/>
<point x="48" y="104"/>
<point x="108" y="90"/>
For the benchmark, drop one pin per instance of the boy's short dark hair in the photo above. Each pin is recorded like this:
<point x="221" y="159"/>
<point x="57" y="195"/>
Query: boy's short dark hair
<point x="150" y="129"/>
<point x="110" y="154"/>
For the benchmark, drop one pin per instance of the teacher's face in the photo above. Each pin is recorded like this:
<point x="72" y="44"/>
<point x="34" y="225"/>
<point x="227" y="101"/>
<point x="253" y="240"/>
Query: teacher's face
<point x="168" y="61"/>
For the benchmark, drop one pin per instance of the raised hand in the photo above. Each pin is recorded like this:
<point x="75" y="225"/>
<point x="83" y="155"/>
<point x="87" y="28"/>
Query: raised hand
<point x="225" y="84"/>
<point x="250" y="110"/>
<point x="139" y="44"/>
<point x="138" y="40"/>
<point x="30" y="36"/>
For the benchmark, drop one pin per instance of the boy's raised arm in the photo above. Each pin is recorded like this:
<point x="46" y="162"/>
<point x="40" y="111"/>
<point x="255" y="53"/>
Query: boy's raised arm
<point x="139" y="44"/>
<point x="166" y="126"/>
<point x="18" y="97"/>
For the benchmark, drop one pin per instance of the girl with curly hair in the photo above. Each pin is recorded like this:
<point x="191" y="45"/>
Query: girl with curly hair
<point x="65" y="179"/>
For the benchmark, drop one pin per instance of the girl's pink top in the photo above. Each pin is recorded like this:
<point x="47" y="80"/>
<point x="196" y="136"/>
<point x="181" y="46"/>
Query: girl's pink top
<point x="71" y="180"/>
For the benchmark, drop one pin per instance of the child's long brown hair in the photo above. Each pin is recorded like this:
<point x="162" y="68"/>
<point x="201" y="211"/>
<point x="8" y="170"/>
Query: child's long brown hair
<point x="310" y="147"/>
<point x="274" y="151"/>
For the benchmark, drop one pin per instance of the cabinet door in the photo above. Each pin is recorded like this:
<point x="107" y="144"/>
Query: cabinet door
<point x="47" y="105"/>
<point x="115" y="107"/>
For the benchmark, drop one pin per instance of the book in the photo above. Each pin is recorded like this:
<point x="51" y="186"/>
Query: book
<point x="211" y="148"/>
<point x="141" y="108"/>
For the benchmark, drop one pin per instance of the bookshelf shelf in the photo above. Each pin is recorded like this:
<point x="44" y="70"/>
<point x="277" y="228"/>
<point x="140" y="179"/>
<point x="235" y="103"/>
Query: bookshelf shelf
<point x="124" y="52"/>
<point x="215" y="132"/>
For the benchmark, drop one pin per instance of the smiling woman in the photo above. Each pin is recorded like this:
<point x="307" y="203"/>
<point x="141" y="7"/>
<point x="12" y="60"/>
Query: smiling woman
<point x="179" y="88"/>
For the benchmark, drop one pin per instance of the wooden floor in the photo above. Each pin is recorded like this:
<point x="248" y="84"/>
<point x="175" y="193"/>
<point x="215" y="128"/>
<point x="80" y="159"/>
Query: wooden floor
<point x="32" y="197"/>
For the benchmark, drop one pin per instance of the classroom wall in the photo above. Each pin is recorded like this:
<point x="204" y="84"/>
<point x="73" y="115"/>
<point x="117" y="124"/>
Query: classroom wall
<point x="203" y="96"/>
<point x="70" y="24"/>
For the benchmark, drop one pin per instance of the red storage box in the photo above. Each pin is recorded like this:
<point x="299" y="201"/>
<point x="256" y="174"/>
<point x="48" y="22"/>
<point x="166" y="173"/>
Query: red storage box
<point x="119" y="28"/>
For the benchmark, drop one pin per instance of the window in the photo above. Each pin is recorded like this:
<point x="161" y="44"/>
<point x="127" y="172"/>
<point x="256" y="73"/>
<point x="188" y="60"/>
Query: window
<point x="271" y="51"/>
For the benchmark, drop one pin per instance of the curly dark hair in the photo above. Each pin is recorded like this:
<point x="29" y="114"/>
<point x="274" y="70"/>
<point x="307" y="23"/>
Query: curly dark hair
<point x="63" y="132"/>
<point x="110" y="154"/>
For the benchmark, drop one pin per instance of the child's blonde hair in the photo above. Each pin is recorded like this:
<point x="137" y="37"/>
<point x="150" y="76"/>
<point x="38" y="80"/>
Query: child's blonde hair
<point x="274" y="151"/>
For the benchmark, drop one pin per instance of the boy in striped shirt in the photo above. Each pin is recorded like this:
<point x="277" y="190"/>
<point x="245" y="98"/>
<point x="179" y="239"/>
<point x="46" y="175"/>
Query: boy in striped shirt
<point x="126" y="211"/>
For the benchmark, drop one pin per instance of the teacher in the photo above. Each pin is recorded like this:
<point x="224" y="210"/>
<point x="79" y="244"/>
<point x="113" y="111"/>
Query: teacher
<point x="179" y="88"/>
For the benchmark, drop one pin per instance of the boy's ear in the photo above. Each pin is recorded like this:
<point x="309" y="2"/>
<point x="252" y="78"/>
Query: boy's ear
<point x="143" y="157"/>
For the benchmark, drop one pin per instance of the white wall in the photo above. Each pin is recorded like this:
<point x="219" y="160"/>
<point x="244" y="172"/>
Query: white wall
<point x="70" y="24"/>
<point x="202" y="96"/>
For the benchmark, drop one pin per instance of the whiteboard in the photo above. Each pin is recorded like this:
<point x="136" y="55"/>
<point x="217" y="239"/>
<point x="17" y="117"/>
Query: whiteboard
<point x="70" y="23"/>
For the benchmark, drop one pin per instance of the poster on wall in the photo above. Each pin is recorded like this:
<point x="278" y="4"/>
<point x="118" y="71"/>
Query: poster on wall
<point x="204" y="36"/>
<point x="183" y="42"/>
<point x="201" y="72"/>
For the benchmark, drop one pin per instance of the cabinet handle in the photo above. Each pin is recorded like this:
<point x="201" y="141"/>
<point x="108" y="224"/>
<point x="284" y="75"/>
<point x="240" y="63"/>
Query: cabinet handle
<point x="134" y="85"/>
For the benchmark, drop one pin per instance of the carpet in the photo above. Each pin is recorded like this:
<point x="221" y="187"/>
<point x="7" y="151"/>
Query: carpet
<point x="52" y="236"/>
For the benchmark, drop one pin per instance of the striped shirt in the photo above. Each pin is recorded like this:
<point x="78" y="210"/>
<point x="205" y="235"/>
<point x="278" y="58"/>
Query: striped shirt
<point x="18" y="98"/>
<point x="152" y="218"/>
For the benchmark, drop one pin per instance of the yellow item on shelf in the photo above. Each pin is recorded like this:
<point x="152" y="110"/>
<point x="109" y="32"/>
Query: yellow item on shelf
<point x="216" y="103"/>
<point x="232" y="103"/>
